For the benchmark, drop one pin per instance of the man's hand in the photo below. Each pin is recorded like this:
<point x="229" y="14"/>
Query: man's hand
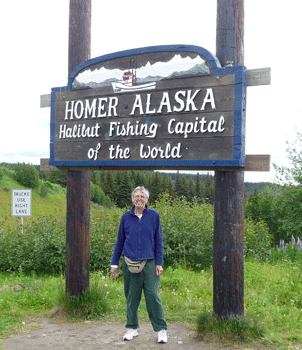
<point x="114" y="272"/>
<point x="159" y="270"/>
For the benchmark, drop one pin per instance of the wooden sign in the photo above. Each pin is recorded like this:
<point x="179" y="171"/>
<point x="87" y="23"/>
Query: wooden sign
<point x="155" y="107"/>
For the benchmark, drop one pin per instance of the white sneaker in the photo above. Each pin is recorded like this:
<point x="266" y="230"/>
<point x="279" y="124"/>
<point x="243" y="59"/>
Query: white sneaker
<point x="162" y="336"/>
<point x="130" y="334"/>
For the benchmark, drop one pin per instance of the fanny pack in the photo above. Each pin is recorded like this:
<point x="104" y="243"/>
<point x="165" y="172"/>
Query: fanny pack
<point x="135" y="266"/>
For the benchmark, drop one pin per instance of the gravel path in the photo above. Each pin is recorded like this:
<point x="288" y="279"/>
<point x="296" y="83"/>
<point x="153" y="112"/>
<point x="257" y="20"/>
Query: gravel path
<point x="97" y="335"/>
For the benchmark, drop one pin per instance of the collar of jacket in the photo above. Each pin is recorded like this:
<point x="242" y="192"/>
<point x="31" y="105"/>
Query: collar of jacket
<point x="132" y="210"/>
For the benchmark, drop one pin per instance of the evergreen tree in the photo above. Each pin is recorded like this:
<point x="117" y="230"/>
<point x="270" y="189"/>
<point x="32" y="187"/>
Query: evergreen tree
<point x="109" y="185"/>
<point x="178" y="186"/>
<point x="181" y="186"/>
<point x="191" y="190"/>
<point x="156" y="188"/>
<point x="57" y="177"/>
<point x="95" y="177"/>
<point x="209" y="189"/>
<point x="198" y="187"/>
<point x="125" y="186"/>
<point x="167" y="185"/>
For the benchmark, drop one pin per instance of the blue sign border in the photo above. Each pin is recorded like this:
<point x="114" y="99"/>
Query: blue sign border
<point x="238" y="159"/>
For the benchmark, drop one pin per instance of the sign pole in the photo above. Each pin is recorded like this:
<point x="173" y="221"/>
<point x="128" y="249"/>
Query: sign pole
<point x="78" y="182"/>
<point x="228" y="264"/>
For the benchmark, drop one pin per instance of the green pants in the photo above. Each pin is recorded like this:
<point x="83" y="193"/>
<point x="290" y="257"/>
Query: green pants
<point x="134" y="283"/>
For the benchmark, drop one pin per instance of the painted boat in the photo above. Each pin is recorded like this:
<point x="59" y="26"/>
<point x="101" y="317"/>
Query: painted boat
<point x="128" y="85"/>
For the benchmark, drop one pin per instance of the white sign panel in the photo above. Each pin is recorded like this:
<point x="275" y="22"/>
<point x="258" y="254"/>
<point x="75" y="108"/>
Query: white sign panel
<point x="21" y="203"/>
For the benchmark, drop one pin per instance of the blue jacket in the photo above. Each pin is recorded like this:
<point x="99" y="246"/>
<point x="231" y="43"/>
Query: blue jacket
<point x="140" y="238"/>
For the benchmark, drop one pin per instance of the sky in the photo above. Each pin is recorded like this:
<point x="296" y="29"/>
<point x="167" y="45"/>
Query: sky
<point x="34" y="59"/>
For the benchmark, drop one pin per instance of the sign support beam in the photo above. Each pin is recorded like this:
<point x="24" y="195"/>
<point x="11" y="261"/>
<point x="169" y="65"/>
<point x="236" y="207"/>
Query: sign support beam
<point x="78" y="181"/>
<point x="228" y="264"/>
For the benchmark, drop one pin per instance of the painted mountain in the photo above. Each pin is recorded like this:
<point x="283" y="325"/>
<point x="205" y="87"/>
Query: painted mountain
<point x="177" y="67"/>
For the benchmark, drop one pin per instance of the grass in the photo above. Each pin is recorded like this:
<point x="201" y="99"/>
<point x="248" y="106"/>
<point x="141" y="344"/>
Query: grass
<point x="53" y="204"/>
<point x="273" y="309"/>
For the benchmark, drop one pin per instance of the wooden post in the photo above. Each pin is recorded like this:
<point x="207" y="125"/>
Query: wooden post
<point x="228" y="264"/>
<point x="78" y="182"/>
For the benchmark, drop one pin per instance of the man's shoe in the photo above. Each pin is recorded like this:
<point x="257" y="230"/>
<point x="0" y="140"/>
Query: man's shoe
<point x="130" y="334"/>
<point x="162" y="336"/>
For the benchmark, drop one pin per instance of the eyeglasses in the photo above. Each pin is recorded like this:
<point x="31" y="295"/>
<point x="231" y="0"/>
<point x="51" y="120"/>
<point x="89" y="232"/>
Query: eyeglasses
<point x="139" y="196"/>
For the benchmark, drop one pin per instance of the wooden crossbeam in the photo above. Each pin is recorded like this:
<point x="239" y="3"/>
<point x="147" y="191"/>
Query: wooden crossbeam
<point x="252" y="163"/>
<point x="256" y="77"/>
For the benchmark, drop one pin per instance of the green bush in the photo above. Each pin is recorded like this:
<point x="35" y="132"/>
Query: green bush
<point x="257" y="239"/>
<point x="104" y="226"/>
<point x="187" y="230"/>
<point x="288" y="254"/>
<point x="27" y="175"/>
<point x="42" y="247"/>
<point x="98" y="196"/>
<point x="47" y="187"/>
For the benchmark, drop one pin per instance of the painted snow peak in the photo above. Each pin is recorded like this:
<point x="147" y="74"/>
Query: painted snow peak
<point x="141" y="72"/>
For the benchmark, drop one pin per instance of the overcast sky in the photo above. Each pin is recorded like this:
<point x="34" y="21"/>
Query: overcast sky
<point x="34" y="36"/>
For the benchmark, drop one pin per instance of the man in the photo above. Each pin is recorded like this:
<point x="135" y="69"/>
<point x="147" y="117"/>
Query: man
<point x="140" y="239"/>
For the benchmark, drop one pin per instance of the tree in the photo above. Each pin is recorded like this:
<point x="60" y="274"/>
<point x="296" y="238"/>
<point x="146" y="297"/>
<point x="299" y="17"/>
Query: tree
<point x="27" y="175"/>
<point x="209" y="189"/>
<point x="167" y="185"/>
<point x="293" y="173"/>
<point x="109" y="185"/>
<point x="191" y="190"/>
<point x="198" y="187"/>
<point x="56" y="177"/>
<point x="155" y="186"/>
<point x="124" y="190"/>
<point x="281" y="207"/>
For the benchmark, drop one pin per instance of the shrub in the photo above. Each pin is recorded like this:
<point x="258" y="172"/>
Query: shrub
<point x="188" y="232"/>
<point x="97" y="196"/>
<point x="27" y="175"/>
<point x="42" y="247"/>
<point x="287" y="252"/>
<point x="257" y="239"/>
<point x="104" y="226"/>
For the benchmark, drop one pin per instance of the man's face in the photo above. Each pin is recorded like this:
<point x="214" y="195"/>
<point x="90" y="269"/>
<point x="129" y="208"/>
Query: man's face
<point x="139" y="199"/>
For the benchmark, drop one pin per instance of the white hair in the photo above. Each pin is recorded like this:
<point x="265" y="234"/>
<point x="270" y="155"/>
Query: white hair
<point x="140" y="188"/>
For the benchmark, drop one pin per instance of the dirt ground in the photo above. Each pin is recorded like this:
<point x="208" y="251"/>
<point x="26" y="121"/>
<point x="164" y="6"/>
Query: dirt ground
<point x="105" y="336"/>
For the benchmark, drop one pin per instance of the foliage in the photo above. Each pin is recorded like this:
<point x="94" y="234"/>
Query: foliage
<point x="292" y="174"/>
<point x="290" y="252"/>
<point x="98" y="196"/>
<point x="280" y="210"/>
<point x="1" y="172"/>
<point x="188" y="232"/>
<point x="257" y="239"/>
<point x="92" y="305"/>
<point x="103" y="232"/>
<point x="47" y="187"/>
<point x="238" y="328"/>
<point x="42" y="247"/>
<point x="187" y="229"/>
<point x="27" y="175"/>
<point x="55" y="177"/>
